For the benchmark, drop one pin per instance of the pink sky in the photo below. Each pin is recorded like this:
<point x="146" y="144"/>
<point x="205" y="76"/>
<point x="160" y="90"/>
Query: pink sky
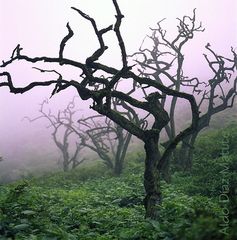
<point x="39" y="26"/>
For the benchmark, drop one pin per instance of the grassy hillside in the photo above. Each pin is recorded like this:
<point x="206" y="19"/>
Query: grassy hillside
<point x="90" y="204"/>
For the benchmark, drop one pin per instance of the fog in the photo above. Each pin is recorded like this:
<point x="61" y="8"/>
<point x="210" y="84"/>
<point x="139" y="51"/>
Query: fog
<point x="39" y="26"/>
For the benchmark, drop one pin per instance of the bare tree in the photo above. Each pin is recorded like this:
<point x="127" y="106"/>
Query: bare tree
<point x="62" y="133"/>
<point x="109" y="140"/>
<point x="164" y="62"/>
<point x="217" y="96"/>
<point x="102" y="91"/>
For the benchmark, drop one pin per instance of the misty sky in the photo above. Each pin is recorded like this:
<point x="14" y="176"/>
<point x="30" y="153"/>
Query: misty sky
<point x="40" y="25"/>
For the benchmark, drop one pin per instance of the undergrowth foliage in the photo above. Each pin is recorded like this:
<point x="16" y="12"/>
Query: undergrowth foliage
<point x="84" y="204"/>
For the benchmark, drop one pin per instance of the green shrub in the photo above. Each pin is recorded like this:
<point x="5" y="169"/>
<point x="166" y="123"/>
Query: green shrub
<point x="210" y="168"/>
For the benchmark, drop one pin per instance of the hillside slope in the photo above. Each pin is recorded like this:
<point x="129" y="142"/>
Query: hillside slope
<point x="90" y="204"/>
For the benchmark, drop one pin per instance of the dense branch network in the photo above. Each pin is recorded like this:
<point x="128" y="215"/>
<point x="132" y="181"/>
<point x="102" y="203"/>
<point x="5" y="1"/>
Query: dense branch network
<point x="105" y="138"/>
<point x="62" y="133"/>
<point x="163" y="62"/>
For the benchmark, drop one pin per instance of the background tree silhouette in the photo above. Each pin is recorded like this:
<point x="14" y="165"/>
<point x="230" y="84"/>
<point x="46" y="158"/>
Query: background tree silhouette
<point x="164" y="62"/>
<point x="62" y="133"/>
<point x="105" y="138"/>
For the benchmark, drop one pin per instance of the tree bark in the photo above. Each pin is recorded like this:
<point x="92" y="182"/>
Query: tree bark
<point x="65" y="161"/>
<point x="118" y="167"/>
<point x="121" y="153"/>
<point x="165" y="172"/>
<point x="186" y="152"/>
<point x="152" y="199"/>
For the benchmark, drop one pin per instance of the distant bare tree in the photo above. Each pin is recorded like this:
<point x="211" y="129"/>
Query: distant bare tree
<point x="109" y="140"/>
<point x="218" y="95"/>
<point x="62" y="133"/>
<point x="164" y="62"/>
